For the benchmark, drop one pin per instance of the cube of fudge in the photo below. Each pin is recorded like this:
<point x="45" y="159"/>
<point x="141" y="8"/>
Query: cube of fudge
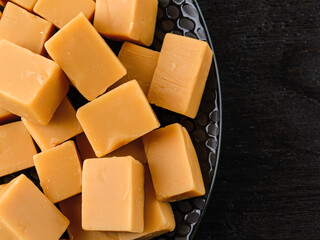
<point x="27" y="214"/>
<point x="117" y="118"/>
<point x="113" y="194"/>
<point x="132" y="20"/>
<point x="173" y="163"/>
<point x="59" y="171"/>
<point x="31" y="85"/>
<point x="16" y="147"/>
<point x="85" y="57"/>
<point x="25" y="29"/>
<point x="181" y="74"/>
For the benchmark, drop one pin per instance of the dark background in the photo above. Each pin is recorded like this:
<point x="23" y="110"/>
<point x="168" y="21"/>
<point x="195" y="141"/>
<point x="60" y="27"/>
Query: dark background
<point x="268" y="182"/>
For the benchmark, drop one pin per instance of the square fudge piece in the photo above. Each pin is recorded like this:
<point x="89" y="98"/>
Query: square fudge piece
<point x="59" y="171"/>
<point x="158" y="216"/>
<point x="31" y="86"/>
<point x="181" y="74"/>
<point x="131" y="20"/>
<point x="117" y="118"/>
<point x="25" y="29"/>
<point x="60" y="12"/>
<point x="27" y="4"/>
<point x="27" y="214"/>
<point x="85" y="57"/>
<point x="173" y="164"/>
<point x="16" y="147"/>
<point x="113" y="194"/>
<point x="71" y="208"/>
<point x="63" y="126"/>
<point x="140" y="63"/>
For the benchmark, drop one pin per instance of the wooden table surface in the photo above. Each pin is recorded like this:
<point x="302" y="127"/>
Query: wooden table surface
<point x="268" y="182"/>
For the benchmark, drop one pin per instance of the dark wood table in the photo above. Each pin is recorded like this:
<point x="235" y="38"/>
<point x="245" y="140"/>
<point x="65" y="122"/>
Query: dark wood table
<point x="268" y="182"/>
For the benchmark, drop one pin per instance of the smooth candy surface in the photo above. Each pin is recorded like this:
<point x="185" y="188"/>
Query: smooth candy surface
<point x="117" y="118"/>
<point x="173" y="164"/>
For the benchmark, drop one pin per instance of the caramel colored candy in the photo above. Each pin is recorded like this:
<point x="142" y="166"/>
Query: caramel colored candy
<point x="60" y="12"/>
<point x="6" y="117"/>
<point x="117" y="118"/>
<point x="158" y="216"/>
<point x="59" y="171"/>
<point x="113" y="194"/>
<point x="173" y="164"/>
<point x="16" y="148"/>
<point x="131" y="20"/>
<point x="71" y="208"/>
<point x="27" y="4"/>
<point x="27" y="214"/>
<point x="19" y="26"/>
<point x="85" y="57"/>
<point x="31" y="86"/>
<point x="140" y="63"/>
<point x="181" y="75"/>
<point x="63" y="126"/>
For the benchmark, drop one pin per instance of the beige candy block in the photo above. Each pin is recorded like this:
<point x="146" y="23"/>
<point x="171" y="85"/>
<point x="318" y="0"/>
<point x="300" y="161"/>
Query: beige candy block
<point x="31" y="86"/>
<point x="140" y="63"/>
<point x="130" y="20"/>
<point x="25" y="29"/>
<point x="173" y="164"/>
<point x="158" y="216"/>
<point x="63" y="126"/>
<point x="59" y="171"/>
<point x="134" y="149"/>
<point x="25" y="213"/>
<point x="6" y="116"/>
<point x="113" y="194"/>
<point x="16" y="147"/>
<point x="27" y="4"/>
<point x="71" y="208"/>
<point x="60" y="12"/>
<point x="181" y="74"/>
<point x="85" y="57"/>
<point x="117" y="118"/>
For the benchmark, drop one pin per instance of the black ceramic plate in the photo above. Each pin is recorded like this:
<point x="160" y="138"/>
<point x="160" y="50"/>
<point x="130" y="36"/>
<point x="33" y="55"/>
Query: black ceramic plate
<point x="185" y="18"/>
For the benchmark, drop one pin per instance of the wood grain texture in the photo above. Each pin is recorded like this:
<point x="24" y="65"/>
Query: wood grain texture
<point x="268" y="183"/>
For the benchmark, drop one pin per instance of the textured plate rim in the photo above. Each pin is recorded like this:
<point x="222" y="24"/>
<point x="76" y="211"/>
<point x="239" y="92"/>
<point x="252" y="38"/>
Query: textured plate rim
<point x="219" y="105"/>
